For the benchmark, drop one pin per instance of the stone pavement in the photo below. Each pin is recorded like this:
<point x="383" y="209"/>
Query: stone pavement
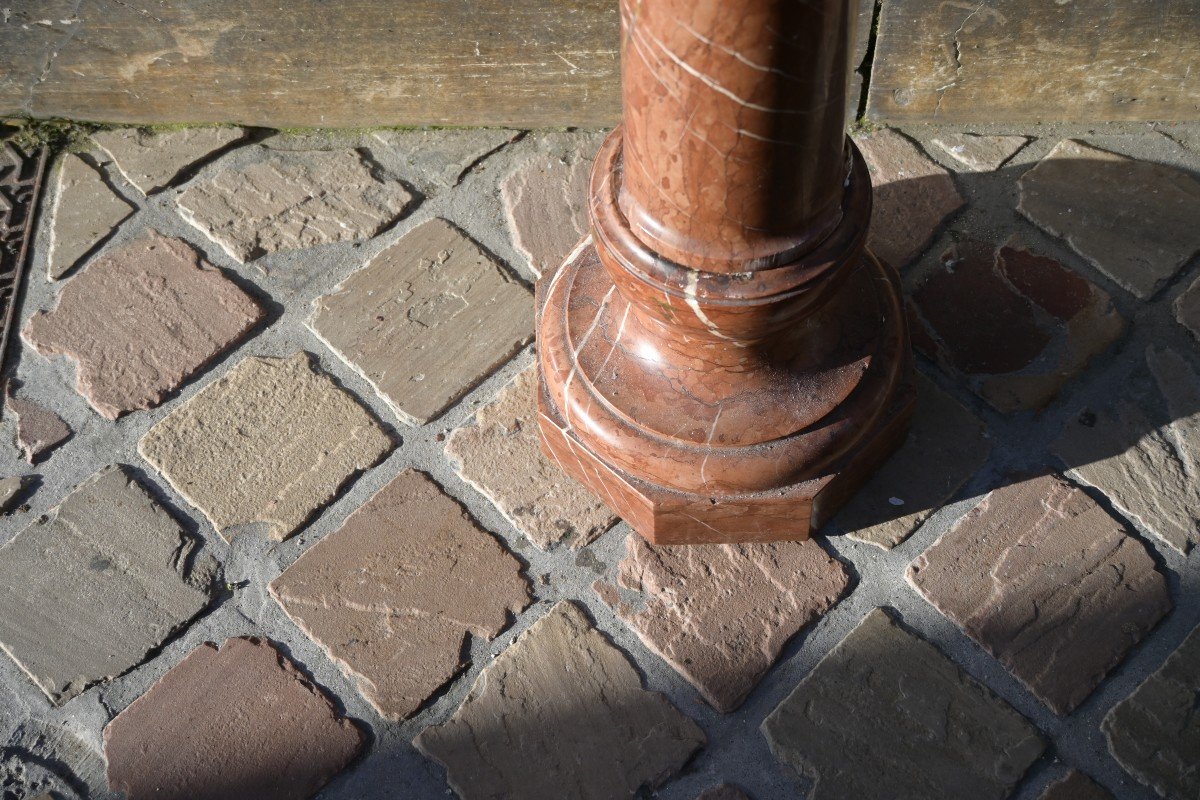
<point x="276" y="524"/>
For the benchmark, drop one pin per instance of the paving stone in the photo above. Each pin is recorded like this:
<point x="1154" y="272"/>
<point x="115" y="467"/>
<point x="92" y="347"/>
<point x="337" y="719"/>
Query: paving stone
<point x="141" y="319"/>
<point x="293" y="200"/>
<point x="426" y="320"/>
<point x="720" y="614"/>
<point x="151" y="161"/>
<point x="1014" y="325"/>
<point x="560" y="713"/>
<point x="51" y="760"/>
<point x="39" y="430"/>
<point x="545" y="203"/>
<point x="1155" y="732"/>
<point x="90" y="588"/>
<point x="440" y="159"/>
<point x="913" y="196"/>
<point x="978" y="153"/>
<point x="1135" y="221"/>
<point x="1187" y="308"/>
<point x="723" y="792"/>
<point x="500" y="456"/>
<point x="271" y="442"/>
<point x="236" y="723"/>
<point x="945" y="446"/>
<point x="374" y="593"/>
<point x="10" y="489"/>
<point x="85" y="211"/>
<point x="1047" y="582"/>
<point x="1075" y="786"/>
<point x="1142" y="448"/>
<point x="885" y="714"/>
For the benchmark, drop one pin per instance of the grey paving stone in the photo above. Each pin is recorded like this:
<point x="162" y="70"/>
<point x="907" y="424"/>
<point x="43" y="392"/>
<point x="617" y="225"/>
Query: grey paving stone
<point x="1135" y="221"/>
<point x="151" y="160"/>
<point x="238" y="722"/>
<point x="426" y="320"/>
<point x="723" y="792"/>
<point x="946" y="445"/>
<point x="291" y="201"/>
<point x="439" y="159"/>
<point x="500" y="456"/>
<point x="39" y="430"/>
<point x="51" y="758"/>
<point x="545" y="203"/>
<point x="1142" y="448"/>
<point x="560" y="713"/>
<point x="394" y="592"/>
<point x="1155" y="732"/>
<point x="1187" y="308"/>
<point x="1075" y="786"/>
<point x="92" y="587"/>
<point x="720" y="614"/>
<point x="84" y="211"/>
<point x="979" y="153"/>
<point x="141" y="319"/>
<point x="270" y="442"/>
<point x="885" y="714"/>
<point x="1047" y="582"/>
<point x="913" y="196"/>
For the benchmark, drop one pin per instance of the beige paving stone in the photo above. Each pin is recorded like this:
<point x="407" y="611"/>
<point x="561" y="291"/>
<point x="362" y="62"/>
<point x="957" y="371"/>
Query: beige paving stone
<point x="945" y="446"/>
<point x="293" y="200"/>
<point x="1155" y="732"/>
<point x="426" y="320"/>
<point x="1187" y="308"/>
<point x="150" y="161"/>
<point x="271" y="442"/>
<point x="723" y="792"/>
<point x="440" y="159"/>
<point x="10" y="490"/>
<point x="1047" y="582"/>
<point x="236" y="723"/>
<point x="1075" y="786"/>
<point x="720" y="614"/>
<point x="375" y="592"/>
<point x="885" y="714"/>
<point x="85" y="211"/>
<point x="560" y="713"/>
<point x="93" y="586"/>
<point x="39" y="430"/>
<point x="979" y="153"/>
<point x="1142" y="448"/>
<point x="141" y="319"/>
<point x="913" y="196"/>
<point x="1135" y="221"/>
<point x="500" y="456"/>
<point x="545" y="203"/>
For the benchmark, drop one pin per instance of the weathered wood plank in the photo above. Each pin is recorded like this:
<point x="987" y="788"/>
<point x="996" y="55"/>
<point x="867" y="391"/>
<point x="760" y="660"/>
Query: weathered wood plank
<point x="351" y="63"/>
<point x="973" y="61"/>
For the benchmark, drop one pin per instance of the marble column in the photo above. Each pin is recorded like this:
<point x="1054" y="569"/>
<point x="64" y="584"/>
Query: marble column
<point x="721" y="359"/>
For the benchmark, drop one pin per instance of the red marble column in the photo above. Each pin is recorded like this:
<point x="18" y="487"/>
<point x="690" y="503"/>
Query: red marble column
<point x="721" y="359"/>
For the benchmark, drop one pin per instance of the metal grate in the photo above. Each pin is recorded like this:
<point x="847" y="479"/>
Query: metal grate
<point x="20" y="183"/>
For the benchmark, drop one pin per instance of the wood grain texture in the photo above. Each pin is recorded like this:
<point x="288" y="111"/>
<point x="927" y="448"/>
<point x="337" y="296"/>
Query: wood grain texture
<point x="962" y="61"/>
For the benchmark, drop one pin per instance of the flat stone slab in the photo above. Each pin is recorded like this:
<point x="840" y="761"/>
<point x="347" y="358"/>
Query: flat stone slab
<point x="1013" y="324"/>
<point x="271" y="442"/>
<point x="1155" y="732"/>
<point x="1135" y="221"/>
<point x="723" y="792"/>
<point x="885" y="714"/>
<point x="1142" y="448"/>
<point x="545" y="203"/>
<point x="90" y="588"/>
<point x="238" y="722"/>
<point x="913" y="197"/>
<point x="10" y="490"/>
<point x="374" y="594"/>
<point x="39" y="430"/>
<point x="152" y="161"/>
<point x="441" y="159"/>
<point x="973" y="152"/>
<point x="1187" y="308"/>
<point x="1075" y="786"/>
<point x="720" y="614"/>
<point x="501" y="457"/>
<point x="84" y="212"/>
<point x="141" y="319"/>
<point x="560" y="713"/>
<point x="426" y="320"/>
<point x="1047" y="582"/>
<point x="291" y="201"/>
<point x="946" y="445"/>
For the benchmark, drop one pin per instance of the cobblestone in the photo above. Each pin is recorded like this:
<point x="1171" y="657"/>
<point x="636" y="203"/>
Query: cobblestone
<point x="152" y="161"/>
<point x="84" y="212"/>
